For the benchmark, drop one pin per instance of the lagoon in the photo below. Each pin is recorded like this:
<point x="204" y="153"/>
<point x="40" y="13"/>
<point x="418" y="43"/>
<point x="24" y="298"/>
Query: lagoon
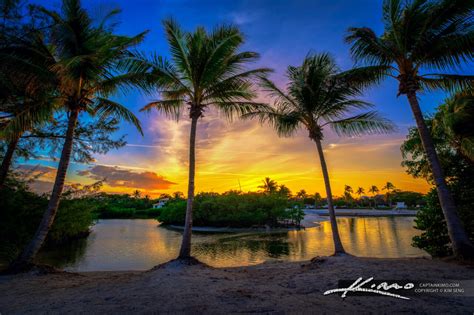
<point x="141" y="244"/>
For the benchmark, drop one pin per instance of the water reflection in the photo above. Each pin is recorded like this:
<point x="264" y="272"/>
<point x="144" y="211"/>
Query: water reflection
<point x="141" y="244"/>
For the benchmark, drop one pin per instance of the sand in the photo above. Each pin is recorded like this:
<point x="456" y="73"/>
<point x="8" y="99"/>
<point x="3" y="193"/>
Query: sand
<point x="279" y="287"/>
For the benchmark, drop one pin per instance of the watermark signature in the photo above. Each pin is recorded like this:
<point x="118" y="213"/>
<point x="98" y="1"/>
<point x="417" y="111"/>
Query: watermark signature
<point x="401" y="289"/>
<point x="381" y="289"/>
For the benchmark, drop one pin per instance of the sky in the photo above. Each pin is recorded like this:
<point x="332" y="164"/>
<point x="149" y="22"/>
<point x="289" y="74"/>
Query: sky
<point x="239" y="154"/>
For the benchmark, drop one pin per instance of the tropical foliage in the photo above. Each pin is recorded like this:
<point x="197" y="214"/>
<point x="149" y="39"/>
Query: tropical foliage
<point x="422" y="41"/>
<point x="233" y="209"/>
<point x="319" y="95"/>
<point x="206" y="70"/>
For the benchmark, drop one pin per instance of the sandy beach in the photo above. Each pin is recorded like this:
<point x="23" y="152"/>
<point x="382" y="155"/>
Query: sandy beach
<point x="267" y="288"/>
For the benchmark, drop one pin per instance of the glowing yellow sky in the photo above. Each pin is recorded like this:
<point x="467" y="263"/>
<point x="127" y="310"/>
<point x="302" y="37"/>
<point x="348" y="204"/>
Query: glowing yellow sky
<point x="245" y="151"/>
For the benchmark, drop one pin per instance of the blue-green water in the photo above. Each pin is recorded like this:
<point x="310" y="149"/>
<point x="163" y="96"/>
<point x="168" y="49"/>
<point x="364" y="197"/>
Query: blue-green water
<point x="142" y="244"/>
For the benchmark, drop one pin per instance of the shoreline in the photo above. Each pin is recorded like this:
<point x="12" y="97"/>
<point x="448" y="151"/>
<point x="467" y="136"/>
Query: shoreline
<point x="272" y="287"/>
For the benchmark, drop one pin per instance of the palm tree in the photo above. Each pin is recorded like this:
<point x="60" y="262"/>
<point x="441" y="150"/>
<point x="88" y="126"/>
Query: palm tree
<point x="301" y="194"/>
<point x="347" y="193"/>
<point x="360" y="191"/>
<point x="86" y="68"/>
<point x="284" y="191"/>
<point x="374" y="190"/>
<point x="454" y="120"/>
<point x="433" y="35"/>
<point x="137" y="194"/>
<point x="205" y="70"/>
<point x="269" y="185"/>
<point x="320" y="95"/>
<point x="389" y="187"/>
<point x="27" y="97"/>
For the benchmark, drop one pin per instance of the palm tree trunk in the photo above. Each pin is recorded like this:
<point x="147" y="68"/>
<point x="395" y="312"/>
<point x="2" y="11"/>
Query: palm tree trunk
<point x="26" y="257"/>
<point x="185" y="251"/>
<point x="462" y="246"/>
<point x="7" y="159"/>
<point x="338" y="248"/>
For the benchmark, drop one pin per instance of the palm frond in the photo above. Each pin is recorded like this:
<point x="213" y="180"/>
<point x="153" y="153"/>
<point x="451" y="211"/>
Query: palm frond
<point x="171" y="107"/>
<point x="362" y="124"/>
<point x="105" y="108"/>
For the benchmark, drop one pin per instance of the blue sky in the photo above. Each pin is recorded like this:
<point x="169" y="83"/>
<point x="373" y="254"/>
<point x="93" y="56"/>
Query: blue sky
<point x="283" y="32"/>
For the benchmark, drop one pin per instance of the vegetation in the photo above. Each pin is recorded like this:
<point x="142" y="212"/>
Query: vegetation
<point x="21" y="214"/>
<point x="205" y="71"/>
<point x="234" y="209"/>
<point x="320" y="95"/>
<point x="459" y="170"/>
<point x="424" y="35"/>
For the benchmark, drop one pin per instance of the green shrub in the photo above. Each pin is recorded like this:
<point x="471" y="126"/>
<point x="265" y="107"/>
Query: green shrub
<point x="231" y="209"/>
<point x="434" y="238"/>
<point x="21" y="214"/>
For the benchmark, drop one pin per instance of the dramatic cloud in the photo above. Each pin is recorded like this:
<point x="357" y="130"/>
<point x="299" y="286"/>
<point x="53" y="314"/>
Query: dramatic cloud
<point x="119" y="177"/>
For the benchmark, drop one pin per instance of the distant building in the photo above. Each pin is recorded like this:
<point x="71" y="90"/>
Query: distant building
<point x="160" y="203"/>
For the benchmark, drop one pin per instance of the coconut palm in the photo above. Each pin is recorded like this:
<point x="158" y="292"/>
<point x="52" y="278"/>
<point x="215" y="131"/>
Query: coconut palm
<point x="348" y="191"/>
<point x="86" y="61"/>
<point x="27" y="97"/>
<point x="454" y="120"/>
<point x="301" y="194"/>
<point x="206" y="70"/>
<point x="422" y="41"/>
<point x="360" y="191"/>
<point x="319" y="95"/>
<point x="269" y="185"/>
<point x="374" y="190"/>
<point x="389" y="187"/>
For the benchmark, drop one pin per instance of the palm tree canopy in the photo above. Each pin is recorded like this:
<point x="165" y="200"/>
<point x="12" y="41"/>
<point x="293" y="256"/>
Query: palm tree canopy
<point x="388" y="186"/>
<point x="360" y="191"/>
<point x="319" y="94"/>
<point x="269" y="185"/>
<point x="373" y="189"/>
<point x="206" y="69"/>
<point x="454" y="120"/>
<point x="431" y="35"/>
<point x="27" y="85"/>
<point x="87" y="62"/>
<point x="348" y="189"/>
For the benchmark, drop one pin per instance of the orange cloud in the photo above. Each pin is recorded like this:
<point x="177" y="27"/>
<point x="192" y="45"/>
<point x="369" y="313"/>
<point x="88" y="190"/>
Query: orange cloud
<point x="120" y="177"/>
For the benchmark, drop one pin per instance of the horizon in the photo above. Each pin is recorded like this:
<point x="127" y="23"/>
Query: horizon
<point x="243" y="153"/>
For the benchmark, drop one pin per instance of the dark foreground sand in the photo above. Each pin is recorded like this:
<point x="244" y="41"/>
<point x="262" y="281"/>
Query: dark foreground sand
<point x="268" y="288"/>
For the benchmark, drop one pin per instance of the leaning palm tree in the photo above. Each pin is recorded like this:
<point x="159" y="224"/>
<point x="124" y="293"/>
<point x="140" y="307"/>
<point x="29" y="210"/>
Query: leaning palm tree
<point x="87" y="58"/>
<point x="206" y="70"/>
<point x="432" y="36"/>
<point x="319" y="95"/>
<point x="389" y="187"/>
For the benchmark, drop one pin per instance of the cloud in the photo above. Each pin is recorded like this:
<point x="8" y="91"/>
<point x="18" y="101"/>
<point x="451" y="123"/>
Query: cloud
<point x="120" y="177"/>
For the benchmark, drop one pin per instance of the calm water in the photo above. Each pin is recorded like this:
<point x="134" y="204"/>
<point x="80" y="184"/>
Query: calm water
<point x="142" y="244"/>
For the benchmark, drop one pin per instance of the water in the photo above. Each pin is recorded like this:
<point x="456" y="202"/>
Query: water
<point x="142" y="244"/>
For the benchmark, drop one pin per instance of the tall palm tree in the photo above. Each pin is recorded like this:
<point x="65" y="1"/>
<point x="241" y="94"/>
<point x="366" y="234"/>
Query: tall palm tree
<point x="422" y="37"/>
<point x="389" y="187"/>
<point x="360" y="191"/>
<point x="374" y="190"/>
<point x="319" y="95"/>
<point x="86" y="68"/>
<point x="269" y="185"/>
<point x="206" y="70"/>
<point x="348" y="193"/>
